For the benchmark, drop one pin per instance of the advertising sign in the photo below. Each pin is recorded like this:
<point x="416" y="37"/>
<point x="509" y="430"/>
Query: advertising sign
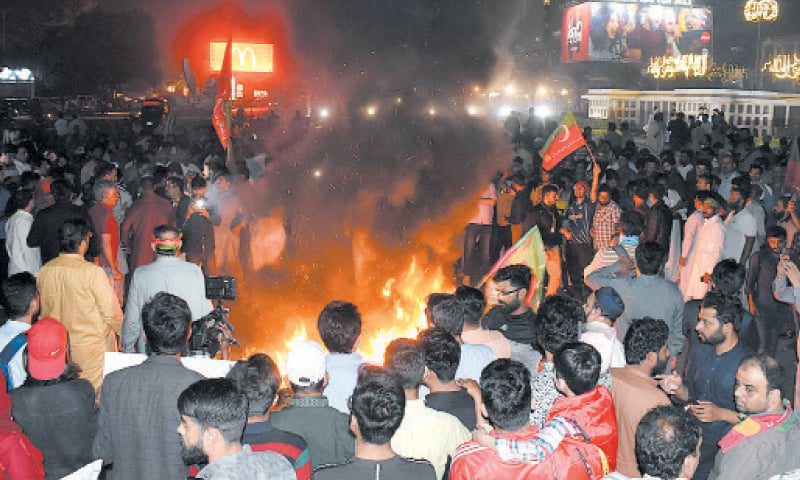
<point x="245" y="57"/>
<point x="633" y="32"/>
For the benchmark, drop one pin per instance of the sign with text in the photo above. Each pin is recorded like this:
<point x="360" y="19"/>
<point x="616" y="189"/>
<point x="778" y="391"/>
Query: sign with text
<point x="245" y="57"/>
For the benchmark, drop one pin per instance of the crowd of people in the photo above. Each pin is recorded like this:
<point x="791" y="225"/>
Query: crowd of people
<point x="664" y="346"/>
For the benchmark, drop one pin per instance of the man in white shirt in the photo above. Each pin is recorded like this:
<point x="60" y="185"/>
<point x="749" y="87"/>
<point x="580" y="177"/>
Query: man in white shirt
<point x="478" y="236"/>
<point x="339" y="326"/>
<point x="741" y="226"/>
<point x="168" y="273"/>
<point x="727" y="172"/>
<point x="20" y="299"/>
<point x="602" y="308"/>
<point x="61" y="125"/>
<point x="21" y="257"/>
<point x="449" y="316"/>
<point x="706" y="252"/>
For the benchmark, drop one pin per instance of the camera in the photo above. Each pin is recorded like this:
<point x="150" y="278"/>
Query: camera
<point x="221" y="288"/>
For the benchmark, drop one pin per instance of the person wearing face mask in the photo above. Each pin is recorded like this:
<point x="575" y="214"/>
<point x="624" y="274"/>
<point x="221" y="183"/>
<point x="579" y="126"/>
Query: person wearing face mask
<point x="707" y="251"/>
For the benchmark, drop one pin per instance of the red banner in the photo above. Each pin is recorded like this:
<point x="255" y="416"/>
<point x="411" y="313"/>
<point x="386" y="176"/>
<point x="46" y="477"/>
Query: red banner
<point x="567" y="138"/>
<point x="221" y="116"/>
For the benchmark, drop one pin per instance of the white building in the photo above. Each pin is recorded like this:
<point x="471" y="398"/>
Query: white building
<point x="761" y="111"/>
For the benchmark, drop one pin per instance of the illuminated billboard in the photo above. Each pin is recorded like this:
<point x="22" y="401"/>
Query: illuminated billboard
<point x="245" y="57"/>
<point x="632" y="32"/>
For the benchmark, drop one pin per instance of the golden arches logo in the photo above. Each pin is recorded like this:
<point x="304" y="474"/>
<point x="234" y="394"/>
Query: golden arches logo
<point x="245" y="57"/>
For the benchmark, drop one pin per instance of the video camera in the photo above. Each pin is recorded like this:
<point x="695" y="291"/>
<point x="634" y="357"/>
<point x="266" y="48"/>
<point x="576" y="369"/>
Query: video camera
<point x="210" y="331"/>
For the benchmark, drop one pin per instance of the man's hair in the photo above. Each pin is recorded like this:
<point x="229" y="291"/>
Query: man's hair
<point x="21" y="198"/>
<point x="728" y="276"/>
<point x="339" y="325"/>
<point x="100" y="188"/>
<point x="449" y="316"/>
<point x="604" y="188"/>
<point x="258" y="379"/>
<point x="506" y="388"/>
<point x="631" y="223"/>
<point x="61" y="189"/>
<point x="474" y="303"/>
<point x="441" y="353"/>
<point x="103" y="168"/>
<point x="664" y="438"/>
<point x="198" y="182"/>
<point x="645" y="335"/>
<point x="518" y="276"/>
<point x="18" y="292"/>
<point x="176" y="182"/>
<point x="549" y="189"/>
<point x="578" y="364"/>
<point x="216" y="403"/>
<point x="404" y="360"/>
<point x="642" y="191"/>
<point x="728" y="308"/>
<point x="161" y="231"/>
<point x="776" y="232"/>
<point x="658" y="191"/>
<point x="650" y="257"/>
<point x="772" y="371"/>
<point x="71" y="233"/>
<point x="559" y="317"/>
<point x="147" y="183"/>
<point x="378" y="404"/>
<point x="743" y="186"/>
<point x="166" y="320"/>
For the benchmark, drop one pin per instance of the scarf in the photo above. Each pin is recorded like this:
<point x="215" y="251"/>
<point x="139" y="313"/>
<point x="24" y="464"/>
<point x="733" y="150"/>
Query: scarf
<point x="754" y="425"/>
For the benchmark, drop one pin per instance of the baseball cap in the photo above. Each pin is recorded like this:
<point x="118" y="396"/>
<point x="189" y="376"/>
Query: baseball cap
<point x="609" y="301"/>
<point x="305" y="364"/>
<point x="47" y="349"/>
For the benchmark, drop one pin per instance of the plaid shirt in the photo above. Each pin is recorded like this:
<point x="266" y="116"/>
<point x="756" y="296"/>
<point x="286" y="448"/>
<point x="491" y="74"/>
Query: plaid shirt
<point x="540" y="447"/>
<point x="606" y="221"/>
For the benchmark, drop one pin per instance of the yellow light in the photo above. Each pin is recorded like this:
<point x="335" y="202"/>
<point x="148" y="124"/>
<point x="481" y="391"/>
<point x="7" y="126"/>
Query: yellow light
<point x="542" y="90"/>
<point x="564" y="92"/>
<point x="472" y="110"/>
<point x="372" y="110"/>
<point x="431" y="111"/>
<point x="398" y="100"/>
<point x="784" y="67"/>
<point x="510" y="89"/>
<point x="670" y="67"/>
<point x="761" y="10"/>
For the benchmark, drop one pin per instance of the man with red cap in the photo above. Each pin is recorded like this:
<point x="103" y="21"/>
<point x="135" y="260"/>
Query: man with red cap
<point x="54" y="407"/>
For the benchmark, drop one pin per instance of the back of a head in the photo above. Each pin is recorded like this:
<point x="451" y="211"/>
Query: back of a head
<point x="474" y="304"/>
<point x="728" y="276"/>
<point x="559" y="320"/>
<point x="258" y="379"/>
<point x="449" y="316"/>
<point x="518" y="276"/>
<point x="166" y="319"/>
<point x="404" y="360"/>
<point x="642" y="191"/>
<point x="61" y="189"/>
<point x="578" y="364"/>
<point x="506" y="390"/>
<point x="650" y="257"/>
<point x="18" y="292"/>
<point x="664" y="438"/>
<point x="22" y="198"/>
<point x="727" y="307"/>
<point x="631" y="223"/>
<point x="339" y="326"/>
<point x="441" y="353"/>
<point x="103" y="168"/>
<point x="644" y="336"/>
<point x="378" y="404"/>
<point x="216" y="403"/>
<point x="71" y="233"/>
<point x="147" y="184"/>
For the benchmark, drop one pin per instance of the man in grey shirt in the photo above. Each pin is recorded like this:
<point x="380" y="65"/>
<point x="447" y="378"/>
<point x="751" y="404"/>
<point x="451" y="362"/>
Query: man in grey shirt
<point x="213" y="415"/>
<point x="646" y="294"/>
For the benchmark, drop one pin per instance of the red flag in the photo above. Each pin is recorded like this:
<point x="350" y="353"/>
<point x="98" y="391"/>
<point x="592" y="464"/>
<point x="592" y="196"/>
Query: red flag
<point x="220" y="117"/>
<point x="567" y="138"/>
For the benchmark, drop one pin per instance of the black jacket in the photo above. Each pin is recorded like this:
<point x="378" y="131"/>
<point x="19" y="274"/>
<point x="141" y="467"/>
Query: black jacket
<point x="60" y="419"/>
<point x="659" y="225"/>
<point x="44" y="230"/>
<point x="549" y="222"/>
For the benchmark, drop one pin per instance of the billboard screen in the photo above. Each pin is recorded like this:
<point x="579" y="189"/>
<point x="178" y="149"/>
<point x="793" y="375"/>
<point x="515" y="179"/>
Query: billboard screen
<point x="627" y="32"/>
<point x="245" y="57"/>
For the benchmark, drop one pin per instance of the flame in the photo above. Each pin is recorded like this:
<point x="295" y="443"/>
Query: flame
<point x="300" y="336"/>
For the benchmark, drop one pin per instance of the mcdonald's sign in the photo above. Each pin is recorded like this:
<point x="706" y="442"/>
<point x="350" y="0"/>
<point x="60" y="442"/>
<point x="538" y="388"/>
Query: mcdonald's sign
<point x="245" y="57"/>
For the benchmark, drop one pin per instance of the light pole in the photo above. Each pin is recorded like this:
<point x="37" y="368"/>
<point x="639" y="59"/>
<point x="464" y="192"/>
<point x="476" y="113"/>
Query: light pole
<point x="757" y="11"/>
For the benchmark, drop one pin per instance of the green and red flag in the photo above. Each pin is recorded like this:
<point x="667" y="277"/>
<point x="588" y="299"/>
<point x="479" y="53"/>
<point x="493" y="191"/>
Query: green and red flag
<point x="529" y="251"/>
<point x="567" y="138"/>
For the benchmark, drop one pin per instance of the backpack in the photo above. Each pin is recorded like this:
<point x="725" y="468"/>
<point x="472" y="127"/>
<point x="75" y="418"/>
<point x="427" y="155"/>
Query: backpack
<point x="14" y="346"/>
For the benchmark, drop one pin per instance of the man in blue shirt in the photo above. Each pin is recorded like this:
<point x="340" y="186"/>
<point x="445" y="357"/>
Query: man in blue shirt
<point x="708" y="378"/>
